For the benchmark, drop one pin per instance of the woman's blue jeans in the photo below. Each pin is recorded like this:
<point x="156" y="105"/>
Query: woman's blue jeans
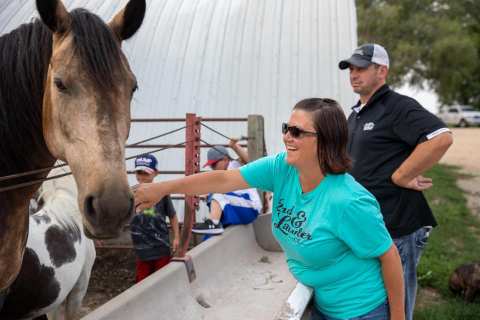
<point x="382" y="312"/>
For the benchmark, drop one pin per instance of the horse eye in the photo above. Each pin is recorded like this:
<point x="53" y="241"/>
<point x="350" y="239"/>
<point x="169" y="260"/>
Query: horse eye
<point x="59" y="84"/>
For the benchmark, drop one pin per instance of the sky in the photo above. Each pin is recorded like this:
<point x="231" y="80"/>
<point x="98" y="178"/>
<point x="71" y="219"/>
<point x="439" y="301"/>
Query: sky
<point x="427" y="98"/>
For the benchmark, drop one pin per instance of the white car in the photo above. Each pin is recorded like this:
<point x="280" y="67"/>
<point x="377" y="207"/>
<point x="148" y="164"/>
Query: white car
<point x="462" y="116"/>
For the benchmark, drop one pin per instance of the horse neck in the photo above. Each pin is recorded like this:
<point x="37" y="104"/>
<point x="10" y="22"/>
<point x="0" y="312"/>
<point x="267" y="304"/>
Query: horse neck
<point x="25" y="54"/>
<point x="63" y="207"/>
<point x="60" y="198"/>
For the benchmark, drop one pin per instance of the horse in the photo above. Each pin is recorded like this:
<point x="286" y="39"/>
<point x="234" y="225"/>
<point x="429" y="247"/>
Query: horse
<point x="65" y="93"/>
<point x="58" y="258"/>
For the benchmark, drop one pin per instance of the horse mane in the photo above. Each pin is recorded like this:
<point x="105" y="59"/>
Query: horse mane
<point x="65" y="183"/>
<point x="59" y="198"/>
<point x="24" y="57"/>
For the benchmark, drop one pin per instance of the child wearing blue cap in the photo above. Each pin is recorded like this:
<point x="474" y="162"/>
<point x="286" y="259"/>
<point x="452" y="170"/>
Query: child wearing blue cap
<point x="149" y="229"/>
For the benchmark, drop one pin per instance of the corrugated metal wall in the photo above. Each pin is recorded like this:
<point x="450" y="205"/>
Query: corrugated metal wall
<point x="226" y="58"/>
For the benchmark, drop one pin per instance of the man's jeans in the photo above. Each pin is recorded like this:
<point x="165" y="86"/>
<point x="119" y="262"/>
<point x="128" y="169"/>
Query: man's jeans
<point x="3" y="295"/>
<point x="410" y="248"/>
<point x="382" y="312"/>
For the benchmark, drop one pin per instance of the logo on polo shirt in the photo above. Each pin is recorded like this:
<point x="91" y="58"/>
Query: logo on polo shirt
<point x="368" y="126"/>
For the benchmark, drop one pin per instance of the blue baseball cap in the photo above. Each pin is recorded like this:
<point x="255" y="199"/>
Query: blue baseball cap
<point x="146" y="162"/>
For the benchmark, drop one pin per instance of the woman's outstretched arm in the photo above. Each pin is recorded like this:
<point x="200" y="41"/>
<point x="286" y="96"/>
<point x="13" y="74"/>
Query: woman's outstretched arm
<point x="217" y="181"/>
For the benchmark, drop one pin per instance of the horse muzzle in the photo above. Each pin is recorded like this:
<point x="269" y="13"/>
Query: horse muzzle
<point x="106" y="213"/>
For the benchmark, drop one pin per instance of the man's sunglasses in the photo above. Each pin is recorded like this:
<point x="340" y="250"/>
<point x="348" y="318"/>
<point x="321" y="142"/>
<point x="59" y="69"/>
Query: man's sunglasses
<point x="296" y="132"/>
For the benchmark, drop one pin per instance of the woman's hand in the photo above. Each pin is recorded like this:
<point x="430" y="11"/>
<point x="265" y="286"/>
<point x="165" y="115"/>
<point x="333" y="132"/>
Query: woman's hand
<point x="147" y="195"/>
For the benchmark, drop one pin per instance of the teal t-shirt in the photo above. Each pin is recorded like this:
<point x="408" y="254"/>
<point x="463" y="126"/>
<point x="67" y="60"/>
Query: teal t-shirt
<point x="332" y="236"/>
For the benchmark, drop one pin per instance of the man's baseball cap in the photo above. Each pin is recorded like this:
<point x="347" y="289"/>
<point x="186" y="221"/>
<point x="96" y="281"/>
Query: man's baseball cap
<point x="365" y="55"/>
<point x="216" y="154"/>
<point x="146" y="162"/>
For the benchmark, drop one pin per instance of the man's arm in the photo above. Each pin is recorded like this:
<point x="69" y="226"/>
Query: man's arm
<point x="423" y="157"/>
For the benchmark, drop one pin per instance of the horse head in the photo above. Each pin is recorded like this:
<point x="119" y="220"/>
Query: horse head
<point x="86" y="107"/>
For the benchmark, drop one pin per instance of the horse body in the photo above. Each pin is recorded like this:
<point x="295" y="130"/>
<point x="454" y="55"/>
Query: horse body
<point x="58" y="258"/>
<point x="65" y="92"/>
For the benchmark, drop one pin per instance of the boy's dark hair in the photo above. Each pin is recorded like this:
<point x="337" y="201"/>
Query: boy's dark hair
<point x="332" y="133"/>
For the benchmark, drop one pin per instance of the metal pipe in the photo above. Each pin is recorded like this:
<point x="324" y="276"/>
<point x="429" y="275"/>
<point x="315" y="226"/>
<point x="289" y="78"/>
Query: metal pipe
<point x="175" y="146"/>
<point x="183" y="120"/>
<point x="163" y="172"/>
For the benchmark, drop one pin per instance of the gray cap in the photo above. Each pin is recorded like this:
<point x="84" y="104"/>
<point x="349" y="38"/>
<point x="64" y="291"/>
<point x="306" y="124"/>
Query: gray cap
<point x="365" y="55"/>
<point x="215" y="154"/>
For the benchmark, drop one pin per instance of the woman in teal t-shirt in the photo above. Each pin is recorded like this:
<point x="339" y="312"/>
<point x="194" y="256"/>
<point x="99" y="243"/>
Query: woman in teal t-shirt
<point x="329" y="226"/>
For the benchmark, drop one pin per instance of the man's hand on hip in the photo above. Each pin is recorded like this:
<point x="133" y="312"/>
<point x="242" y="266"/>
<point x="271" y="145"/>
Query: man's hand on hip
<point x="419" y="183"/>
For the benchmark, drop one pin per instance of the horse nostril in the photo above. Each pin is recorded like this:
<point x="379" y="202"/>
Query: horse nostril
<point x="89" y="208"/>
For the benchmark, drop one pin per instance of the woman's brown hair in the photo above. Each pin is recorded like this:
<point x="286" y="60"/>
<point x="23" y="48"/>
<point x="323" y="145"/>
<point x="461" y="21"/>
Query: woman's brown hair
<point x="332" y="133"/>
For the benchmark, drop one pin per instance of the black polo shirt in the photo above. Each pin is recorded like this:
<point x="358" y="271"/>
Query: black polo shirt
<point x="382" y="134"/>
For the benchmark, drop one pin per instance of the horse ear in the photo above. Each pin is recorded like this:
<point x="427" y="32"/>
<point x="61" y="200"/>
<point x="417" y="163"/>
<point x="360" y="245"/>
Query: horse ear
<point x="54" y="15"/>
<point x="129" y="19"/>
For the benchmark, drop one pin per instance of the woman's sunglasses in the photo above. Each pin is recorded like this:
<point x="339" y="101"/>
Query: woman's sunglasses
<point x="296" y="132"/>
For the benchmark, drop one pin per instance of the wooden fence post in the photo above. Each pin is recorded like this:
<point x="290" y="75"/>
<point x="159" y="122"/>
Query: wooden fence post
<point x="256" y="137"/>
<point x="256" y="146"/>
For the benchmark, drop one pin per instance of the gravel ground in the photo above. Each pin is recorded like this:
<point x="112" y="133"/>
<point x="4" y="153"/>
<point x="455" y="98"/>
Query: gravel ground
<point x="113" y="273"/>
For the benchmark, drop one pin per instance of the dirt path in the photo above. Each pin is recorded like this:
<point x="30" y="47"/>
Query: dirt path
<point x="465" y="153"/>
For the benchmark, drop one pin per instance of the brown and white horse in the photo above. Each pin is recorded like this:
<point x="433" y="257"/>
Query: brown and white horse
<point x="65" y="92"/>
<point x="58" y="259"/>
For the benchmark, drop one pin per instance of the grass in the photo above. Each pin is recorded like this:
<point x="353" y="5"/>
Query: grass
<point x="455" y="241"/>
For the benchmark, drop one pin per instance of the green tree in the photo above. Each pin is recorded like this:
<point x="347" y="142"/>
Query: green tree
<point x="434" y="42"/>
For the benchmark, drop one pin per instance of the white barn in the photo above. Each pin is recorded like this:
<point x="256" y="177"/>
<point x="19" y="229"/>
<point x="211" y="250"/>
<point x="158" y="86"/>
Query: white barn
<point x="225" y="58"/>
<point x="222" y="58"/>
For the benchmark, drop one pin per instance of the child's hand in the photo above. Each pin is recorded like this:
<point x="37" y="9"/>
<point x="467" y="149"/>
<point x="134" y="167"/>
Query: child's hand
<point x="147" y="195"/>
<point x="233" y="142"/>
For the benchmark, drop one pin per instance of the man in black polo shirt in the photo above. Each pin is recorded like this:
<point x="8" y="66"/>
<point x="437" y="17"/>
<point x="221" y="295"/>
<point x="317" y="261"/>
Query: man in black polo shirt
<point x="392" y="141"/>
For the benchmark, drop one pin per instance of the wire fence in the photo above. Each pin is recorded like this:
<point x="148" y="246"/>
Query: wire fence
<point x="136" y="144"/>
